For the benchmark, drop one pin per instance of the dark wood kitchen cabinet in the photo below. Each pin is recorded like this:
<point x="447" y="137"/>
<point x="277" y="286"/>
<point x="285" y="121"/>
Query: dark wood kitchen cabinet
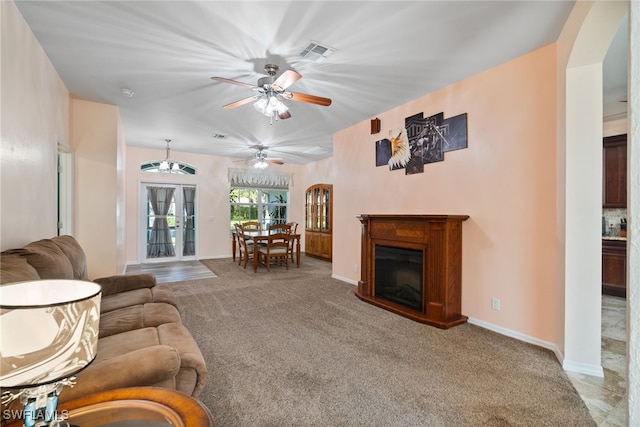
<point x="614" y="172"/>
<point x="614" y="267"/>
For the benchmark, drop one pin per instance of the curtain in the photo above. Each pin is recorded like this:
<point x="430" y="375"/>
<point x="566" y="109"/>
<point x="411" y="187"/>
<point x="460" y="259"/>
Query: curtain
<point x="189" y="238"/>
<point x="259" y="178"/>
<point x="159" y="243"/>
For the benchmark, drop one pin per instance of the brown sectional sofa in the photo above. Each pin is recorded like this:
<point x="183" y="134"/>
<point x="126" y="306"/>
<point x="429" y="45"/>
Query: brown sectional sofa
<point x="142" y="340"/>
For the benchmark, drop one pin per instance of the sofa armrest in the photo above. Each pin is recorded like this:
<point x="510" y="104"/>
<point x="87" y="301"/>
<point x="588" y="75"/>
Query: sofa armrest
<point x="161" y="365"/>
<point x="122" y="283"/>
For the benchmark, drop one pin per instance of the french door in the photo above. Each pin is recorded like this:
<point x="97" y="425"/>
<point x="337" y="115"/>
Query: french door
<point x="167" y="222"/>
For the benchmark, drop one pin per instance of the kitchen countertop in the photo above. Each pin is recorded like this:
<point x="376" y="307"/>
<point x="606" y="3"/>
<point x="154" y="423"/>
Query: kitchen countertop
<point x="614" y="238"/>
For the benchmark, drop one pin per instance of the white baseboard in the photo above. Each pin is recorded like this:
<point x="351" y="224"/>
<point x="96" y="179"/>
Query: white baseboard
<point x="519" y="336"/>
<point x="567" y="365"/>
<point x="583" y="368"/>
<point x="344" y="279"/>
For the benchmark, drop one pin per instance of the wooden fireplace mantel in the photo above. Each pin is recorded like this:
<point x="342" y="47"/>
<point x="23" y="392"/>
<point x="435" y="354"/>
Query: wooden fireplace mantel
<point x="439" y="237"/>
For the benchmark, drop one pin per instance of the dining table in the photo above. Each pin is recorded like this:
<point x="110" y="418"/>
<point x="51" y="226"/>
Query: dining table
<point x="261" y="236"/>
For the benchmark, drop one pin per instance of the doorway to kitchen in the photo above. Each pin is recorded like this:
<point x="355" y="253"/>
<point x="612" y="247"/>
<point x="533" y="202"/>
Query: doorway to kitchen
<point x="167" y="218"/>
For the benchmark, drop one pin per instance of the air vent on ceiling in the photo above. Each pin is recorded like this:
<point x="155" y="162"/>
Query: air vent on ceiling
<point x="317" y="52"/>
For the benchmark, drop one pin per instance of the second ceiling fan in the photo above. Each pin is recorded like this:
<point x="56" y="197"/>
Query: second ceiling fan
<point x="272" y="93"/>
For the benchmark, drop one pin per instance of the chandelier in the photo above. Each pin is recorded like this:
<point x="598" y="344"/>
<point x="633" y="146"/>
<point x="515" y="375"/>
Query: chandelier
<point x="168" y="165"/>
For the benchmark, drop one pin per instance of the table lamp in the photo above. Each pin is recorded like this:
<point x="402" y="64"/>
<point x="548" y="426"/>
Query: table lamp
<point x="49" y="333"/>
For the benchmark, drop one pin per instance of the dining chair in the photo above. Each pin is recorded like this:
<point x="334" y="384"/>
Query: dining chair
<point x="235" y="243"/>
<point x="277" y="247"/>
<point x="292" y="242"/>
<point x="251" y="226"/>
<point x="246" y="246"/>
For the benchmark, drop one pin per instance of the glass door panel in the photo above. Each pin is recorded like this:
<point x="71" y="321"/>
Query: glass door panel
<point x="316" y="208"/>
<point x="325" y="209"/>
<point x="308" y="216"/>
<point x="169" y="222"/>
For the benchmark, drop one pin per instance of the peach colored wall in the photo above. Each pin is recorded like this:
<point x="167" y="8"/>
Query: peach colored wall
<point x="97" y="143"/>
<point x="35" y="118"/>
<point x="505" y="181"/>
<point x="212" y="182"/>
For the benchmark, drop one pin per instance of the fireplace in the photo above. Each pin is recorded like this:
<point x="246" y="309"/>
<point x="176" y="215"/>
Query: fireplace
<point x="412" y="266"/>
<point x="398" y="275"/>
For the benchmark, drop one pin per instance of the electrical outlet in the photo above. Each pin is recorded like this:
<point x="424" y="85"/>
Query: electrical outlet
<point x="355" y="268"/>
<point x="495" y="303"/>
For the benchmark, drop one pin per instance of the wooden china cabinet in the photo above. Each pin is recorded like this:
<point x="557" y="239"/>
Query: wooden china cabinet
<point x="318" y="221"/>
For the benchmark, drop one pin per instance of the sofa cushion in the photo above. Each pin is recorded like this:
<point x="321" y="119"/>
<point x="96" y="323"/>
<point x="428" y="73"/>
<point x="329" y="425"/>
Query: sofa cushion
<point x="193" y="370"/>
<point x="47" y="258"/>
<point x="137" y="317"/>
<point x="125" y="299"/>
<point x="74" y="253"/>
<point x="125" y="342"/>
<point x="155" y="366"/>
<point x="16" y="268"/>
<point x="124" y="283"/>
<point x="159" y="294"/>
<point x="163" y="293"/>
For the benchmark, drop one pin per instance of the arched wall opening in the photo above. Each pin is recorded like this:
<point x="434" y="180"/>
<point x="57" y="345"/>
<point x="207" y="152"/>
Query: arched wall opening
<point x="581" y="51"/>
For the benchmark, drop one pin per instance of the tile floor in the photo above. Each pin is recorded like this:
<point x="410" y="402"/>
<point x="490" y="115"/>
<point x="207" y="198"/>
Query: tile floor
<point x="606" y="397"/>
<point x="173" y="271"/>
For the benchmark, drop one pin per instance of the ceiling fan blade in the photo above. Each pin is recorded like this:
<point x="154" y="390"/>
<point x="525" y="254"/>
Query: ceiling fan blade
<point x="239" y="102"/>
<point x="275" y="161"/>
<point x="234" y="82"/>
<point x="303" y="97"/>
<point x="286" y="79"/>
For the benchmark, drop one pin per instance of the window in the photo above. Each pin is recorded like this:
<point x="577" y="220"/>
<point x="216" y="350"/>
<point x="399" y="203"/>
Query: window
<point x="265" y="205"/>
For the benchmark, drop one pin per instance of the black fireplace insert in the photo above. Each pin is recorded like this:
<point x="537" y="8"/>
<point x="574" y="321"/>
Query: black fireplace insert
<point x="398" y="275"/>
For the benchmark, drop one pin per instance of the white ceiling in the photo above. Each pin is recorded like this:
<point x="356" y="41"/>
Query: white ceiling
<point x="388" y="53"/>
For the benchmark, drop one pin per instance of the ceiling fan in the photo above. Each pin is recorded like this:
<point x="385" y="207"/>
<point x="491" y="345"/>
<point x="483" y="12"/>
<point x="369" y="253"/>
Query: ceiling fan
<point x="272" y="92"/>
<point x="260" y="160"/>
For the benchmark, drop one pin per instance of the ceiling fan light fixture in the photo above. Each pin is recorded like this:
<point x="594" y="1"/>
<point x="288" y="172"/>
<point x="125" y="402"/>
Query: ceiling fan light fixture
<point x="270" y="106"/>
<point x="281" y="108"/>
<point x="164" y="165"/>
<point x="261" y="105"/>
<point x="261" y="164"/>
<point x="272" y="92"/>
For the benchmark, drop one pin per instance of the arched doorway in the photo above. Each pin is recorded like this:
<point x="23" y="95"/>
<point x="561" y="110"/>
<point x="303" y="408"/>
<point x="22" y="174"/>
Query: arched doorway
<point x="582" y="48"/>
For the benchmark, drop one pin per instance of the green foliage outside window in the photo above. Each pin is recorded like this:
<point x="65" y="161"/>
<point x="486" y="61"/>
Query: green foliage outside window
<point x="267" y="206"/>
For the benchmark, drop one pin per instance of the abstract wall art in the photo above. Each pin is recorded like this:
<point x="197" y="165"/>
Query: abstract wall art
<point x="423" y="140"/>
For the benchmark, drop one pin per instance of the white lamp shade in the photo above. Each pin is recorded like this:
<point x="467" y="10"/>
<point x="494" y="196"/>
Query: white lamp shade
<point x="49" y="330"/>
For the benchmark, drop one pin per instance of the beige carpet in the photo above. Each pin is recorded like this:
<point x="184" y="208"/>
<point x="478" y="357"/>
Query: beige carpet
<point x="297" y="348"/>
